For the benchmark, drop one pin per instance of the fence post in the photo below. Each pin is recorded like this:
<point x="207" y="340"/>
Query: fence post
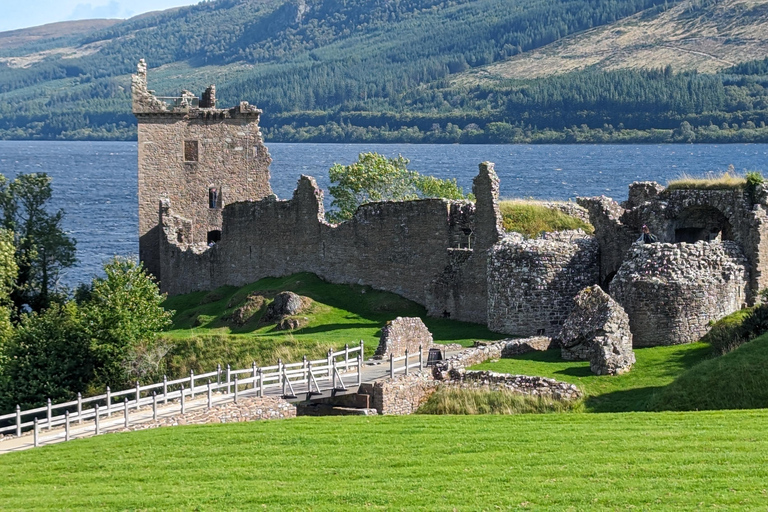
<point x="18" y="420"/>
<point x="37" y="433"/>
<point x="346" y="357"/>
<point x="48" y="415"/>
<point x="79" y="408"/>
<point x="229" y="370"/>
<point x="309" y="377"/>
<point x="125" y="411"/>
<point x="66" y="425"/>
<point x="218" y="375"/>
<point x="138" y="395"/>
<point x="96" y="418"/>
<point x="406" y="361"/>
<point x="330" y="357"/>
<point x="191" y="384"/>
<point x="359" y="369"/>
<point x="182" y="399"/>
<point x="391" y="365"/>
<point x="421" y="359"/>
<point x="253" y="374"/>
<point x="261" y="383"/>
<point x="109" y="402"/>
<point x="281" y="371"/>
<point x="362" y="349"/>
<point x="154" y="406"/>
<point x="210" y="395"/>
<point x="165" y="390"/>
<point x="236" y="388"/>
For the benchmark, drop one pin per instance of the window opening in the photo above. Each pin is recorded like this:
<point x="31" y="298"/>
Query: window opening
<point x="213" y="197"/>
<point x="190" y="151"/>
<point x="214" y="237"/>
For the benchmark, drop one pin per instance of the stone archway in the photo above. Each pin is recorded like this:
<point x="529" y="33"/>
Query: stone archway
<point x="697" y="223"/>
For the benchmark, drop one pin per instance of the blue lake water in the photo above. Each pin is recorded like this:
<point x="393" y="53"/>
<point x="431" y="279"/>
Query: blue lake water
<point x="96" y="182"/>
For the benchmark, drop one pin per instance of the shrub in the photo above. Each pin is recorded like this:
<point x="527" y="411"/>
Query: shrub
<point x="728" y="332"/>
<point x="448" y="400"/>
<point x="754" y="180"/>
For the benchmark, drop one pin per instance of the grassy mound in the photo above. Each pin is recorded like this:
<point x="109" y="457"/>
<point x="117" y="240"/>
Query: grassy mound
<point x="737" y="380"/>
<point x="531" y="218"/>
<point x="225" y="325"/>
<point x="483" y="401"/>
<point x="656" y="367"/>
<point x="659" y="461"/>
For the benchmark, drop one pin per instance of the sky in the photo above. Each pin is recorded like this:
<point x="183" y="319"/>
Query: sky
<point x="30" y="13"/>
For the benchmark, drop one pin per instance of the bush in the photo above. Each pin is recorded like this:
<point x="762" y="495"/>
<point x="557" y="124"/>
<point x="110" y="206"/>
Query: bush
<point x="737" y="328"/>
<point x="448" y="400"/>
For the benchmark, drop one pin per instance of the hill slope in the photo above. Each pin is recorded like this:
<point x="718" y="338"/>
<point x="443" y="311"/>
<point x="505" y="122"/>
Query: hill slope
<point x="296" y="55"/>
<point x="705" y="36"/>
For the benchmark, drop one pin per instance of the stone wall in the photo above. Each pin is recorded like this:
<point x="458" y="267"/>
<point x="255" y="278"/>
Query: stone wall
<point x="683" y="215"/>
<point x="522" y="384"/>
<point x="484" y="352"/>
<point x="402" y="247"/>
<point x="402" y="395"/>
<point x="227" y="154"/>
<point x="531" y="282"/>
<point x="403" y="334"/>
<point x="672" y="291"/>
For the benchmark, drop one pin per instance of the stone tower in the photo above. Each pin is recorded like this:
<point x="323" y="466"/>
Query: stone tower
<point x="197" y="157"/>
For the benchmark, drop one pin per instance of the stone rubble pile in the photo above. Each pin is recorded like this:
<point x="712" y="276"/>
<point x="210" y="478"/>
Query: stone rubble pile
<point x="597" y="330"/>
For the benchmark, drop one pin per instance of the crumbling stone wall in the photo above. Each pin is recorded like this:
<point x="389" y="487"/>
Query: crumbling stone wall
<point x="403" y="334"/>
<point x="683" y="215"/>
<point x="672" y="291"/>
<point x="225" y="152"/>
<point x="402" y="247"/>
<point x="531" y="282"/>
<point x="522" y="384"/>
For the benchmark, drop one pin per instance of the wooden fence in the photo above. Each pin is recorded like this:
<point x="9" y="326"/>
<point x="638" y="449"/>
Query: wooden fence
<point x="287" y="380"/>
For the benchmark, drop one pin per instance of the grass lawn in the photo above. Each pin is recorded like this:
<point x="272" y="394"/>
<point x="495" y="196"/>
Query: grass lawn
<point x="202" y="335"/>
<point x="656" y="367"/>
<point x="649" y="461"/>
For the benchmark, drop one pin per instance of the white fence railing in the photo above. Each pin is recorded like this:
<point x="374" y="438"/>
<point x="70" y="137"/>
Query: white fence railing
<point x="290" y="379"/>
<point x="407" y="363"/>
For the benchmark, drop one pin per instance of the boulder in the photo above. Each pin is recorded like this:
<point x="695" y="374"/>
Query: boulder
<point x="284" y="305"/>
<point x="597" y="330"/>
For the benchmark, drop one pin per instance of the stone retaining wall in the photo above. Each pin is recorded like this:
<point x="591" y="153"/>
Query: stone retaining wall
<point x="402" y="395"/>
<point x="523" y="384"/>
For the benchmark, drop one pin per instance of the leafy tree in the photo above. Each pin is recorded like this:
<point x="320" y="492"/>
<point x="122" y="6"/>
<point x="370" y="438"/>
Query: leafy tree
<point x="48" y="356"/>
<point x="375" y="177"/>
<point x="42" y="248"/>
<point x="123" y="316"/>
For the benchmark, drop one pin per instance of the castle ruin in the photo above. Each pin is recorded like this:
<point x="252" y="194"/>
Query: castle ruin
<point x="453" y="257"/>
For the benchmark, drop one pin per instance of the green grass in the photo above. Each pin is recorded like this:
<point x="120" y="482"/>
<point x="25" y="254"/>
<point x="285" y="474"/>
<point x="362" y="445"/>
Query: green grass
<point x="656" y="367"/>
<point x="531" y="218"/>
<point x="646" y="461"/>
<point x="736" y="380"/>
<point x="451" y="400"/>
<point x="202" y="336"/>
<point x="712" y="181"/>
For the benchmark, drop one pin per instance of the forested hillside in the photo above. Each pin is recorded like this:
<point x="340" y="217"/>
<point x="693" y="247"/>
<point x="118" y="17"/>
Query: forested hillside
<point x="360" y="70"/>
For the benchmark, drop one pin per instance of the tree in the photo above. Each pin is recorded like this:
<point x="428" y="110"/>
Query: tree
<point x="375" y="177"/>
<point x="42" y="248"/>
<point x="123" y="315"/>
<point x="48" y="356"/>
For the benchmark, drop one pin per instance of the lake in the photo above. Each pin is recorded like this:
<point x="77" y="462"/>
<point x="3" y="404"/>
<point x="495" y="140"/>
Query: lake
<point x="96" y="182"/>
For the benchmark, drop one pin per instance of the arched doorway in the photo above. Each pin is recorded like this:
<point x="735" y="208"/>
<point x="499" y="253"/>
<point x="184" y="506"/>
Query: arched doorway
<point x="699" y="223"/>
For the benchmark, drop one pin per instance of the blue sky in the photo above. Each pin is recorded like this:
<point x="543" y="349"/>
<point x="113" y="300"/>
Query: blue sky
<point x="21" y="14"/>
